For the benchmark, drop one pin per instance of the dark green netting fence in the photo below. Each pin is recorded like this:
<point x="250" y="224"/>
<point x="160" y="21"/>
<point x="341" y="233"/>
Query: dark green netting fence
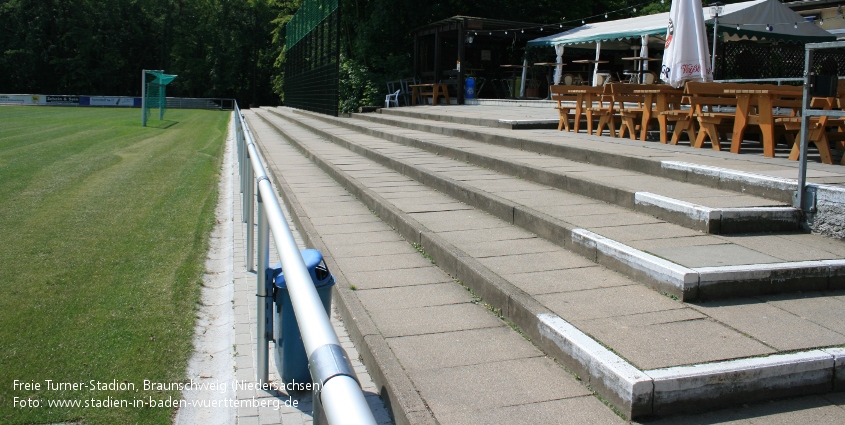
<point x="307" y="18"/>
<point x="313" y="57"/>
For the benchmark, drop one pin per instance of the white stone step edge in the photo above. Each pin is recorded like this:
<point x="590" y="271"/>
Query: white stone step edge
<point x="669" y="390"/>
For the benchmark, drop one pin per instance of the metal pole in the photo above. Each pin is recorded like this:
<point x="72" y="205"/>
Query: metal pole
<point x="249" y="196"/>
<point x="262" y="365"/>
<point x="524" y="75"/>
<point x="143" y="98"/>
<point x="713" y="58"/>
<point x="805" y="125"/>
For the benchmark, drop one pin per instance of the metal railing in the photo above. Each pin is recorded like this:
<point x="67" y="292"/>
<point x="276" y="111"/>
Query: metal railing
<point x="801" y="198"/>
<point x="779" y="81"/>
<point x="336" y="391"/>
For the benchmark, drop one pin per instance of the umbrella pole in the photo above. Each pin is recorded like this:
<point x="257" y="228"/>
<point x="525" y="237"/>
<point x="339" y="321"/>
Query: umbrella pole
<point x="596" y="66"/>
<point x="713" y="57"/>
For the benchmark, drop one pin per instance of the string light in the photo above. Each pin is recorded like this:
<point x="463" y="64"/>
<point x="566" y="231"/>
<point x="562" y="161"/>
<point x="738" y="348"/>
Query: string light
<point x="795" y="25"/>
<point x="605" y="16"/>
<point x="769" y="27"/>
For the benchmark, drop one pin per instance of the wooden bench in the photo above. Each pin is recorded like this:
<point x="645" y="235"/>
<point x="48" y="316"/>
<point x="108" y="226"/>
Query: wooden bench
<point x="434" y="91"/>
<point x="703" y="99"/>
<point x="581" y="100"/>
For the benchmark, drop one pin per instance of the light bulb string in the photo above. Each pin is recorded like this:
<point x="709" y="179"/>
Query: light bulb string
<point x="560" y="25"/>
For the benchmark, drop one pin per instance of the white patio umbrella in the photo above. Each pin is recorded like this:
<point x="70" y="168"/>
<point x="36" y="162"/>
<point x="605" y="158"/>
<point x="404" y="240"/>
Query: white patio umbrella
<point x="559" y="59"/>
<point x="686" y="57"/>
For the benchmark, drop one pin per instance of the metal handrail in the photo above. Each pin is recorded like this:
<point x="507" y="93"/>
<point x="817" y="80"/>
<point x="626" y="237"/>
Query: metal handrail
<point x="800" y="198"/>
<point x="779" y="81"/>
<point x="337" y="391"/>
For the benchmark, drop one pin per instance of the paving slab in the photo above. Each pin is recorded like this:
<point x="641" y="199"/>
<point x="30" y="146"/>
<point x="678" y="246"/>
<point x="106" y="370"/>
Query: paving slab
<point x="433" y="319"/>
<point x="782" y="247"/>
<point x="565" y="280"/>
<point x="461" y="348"/>
<point x="447" y="221"/>
<point x="713" y="255"/>
<point x="672" y="337"/>
<point x="523" y="263"/>
<point x="771" y="325"/>
<point x="377" y="262"/>
<point x="820" y="308"/>
<point x="389" y="278"/>
<point x="624" y="300"/>
<point x="568" y="411"/>
<point x="509" y="247"/>
<point x="493" y="385"/>
<point x="414" y="296"/>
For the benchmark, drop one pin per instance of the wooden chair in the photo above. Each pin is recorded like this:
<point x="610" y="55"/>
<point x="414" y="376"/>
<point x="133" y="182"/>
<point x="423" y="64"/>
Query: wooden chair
<point x="629" y="116"/>
<point x="560" y="94"/>
<point x="819" y="135"/>
<point x="605" y="113"/>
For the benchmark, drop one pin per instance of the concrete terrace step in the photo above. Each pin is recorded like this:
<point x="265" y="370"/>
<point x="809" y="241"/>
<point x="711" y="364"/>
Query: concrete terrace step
<point x="672" y="259"/>
<point x="707" y="209"/>
<point x="772" y="178"/>
<point x="437" y="355"/>
<point x="523" y="119"/>
<point x="664" y="356"/>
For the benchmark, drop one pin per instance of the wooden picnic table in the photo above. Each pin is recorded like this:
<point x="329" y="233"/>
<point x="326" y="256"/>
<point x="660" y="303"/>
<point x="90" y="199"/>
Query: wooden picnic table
<point x="655" y="101"/>
<point x="437" y="89"/>
<point x="764" y="99"/>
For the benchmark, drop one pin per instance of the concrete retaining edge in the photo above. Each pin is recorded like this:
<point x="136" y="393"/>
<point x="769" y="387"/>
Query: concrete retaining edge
<point x="719" y="220"/>
<point x="635" y="392"/>
<point x="741" y="380"/>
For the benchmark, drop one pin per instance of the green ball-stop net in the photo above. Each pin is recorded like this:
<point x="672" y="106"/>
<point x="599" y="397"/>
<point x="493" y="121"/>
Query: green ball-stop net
<point x="155" y="97"/>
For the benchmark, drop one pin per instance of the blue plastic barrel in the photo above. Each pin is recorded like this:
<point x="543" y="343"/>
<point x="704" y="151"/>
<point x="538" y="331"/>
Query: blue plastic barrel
<point x="291" y="360"/>
<point x="469" y="88"/>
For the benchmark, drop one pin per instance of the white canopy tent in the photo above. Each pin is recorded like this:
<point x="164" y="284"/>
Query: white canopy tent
<point x="756" y="20"/>
<point x="752" y="20"/>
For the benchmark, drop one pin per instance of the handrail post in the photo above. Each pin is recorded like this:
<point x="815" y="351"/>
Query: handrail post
<point x="262" y="365"/>
<point x="249" y="197"/>
<point x="805" y="125"/>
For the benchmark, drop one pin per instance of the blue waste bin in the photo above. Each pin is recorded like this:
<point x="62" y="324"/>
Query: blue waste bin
<point x="291" y="360"/>
<point x="469" y="88"/>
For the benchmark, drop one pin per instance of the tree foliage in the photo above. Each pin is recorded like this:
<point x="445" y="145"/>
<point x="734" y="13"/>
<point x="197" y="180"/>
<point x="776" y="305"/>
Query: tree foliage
<point x="228" y="48"/>
<point x="219" y="48"/>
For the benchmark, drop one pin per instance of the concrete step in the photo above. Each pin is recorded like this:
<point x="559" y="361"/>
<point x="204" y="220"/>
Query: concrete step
<point x="668" y="257"/>
<point x="643" y="352"/>
<point x="711" y="210"/>
<point x="653" y="159"/>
